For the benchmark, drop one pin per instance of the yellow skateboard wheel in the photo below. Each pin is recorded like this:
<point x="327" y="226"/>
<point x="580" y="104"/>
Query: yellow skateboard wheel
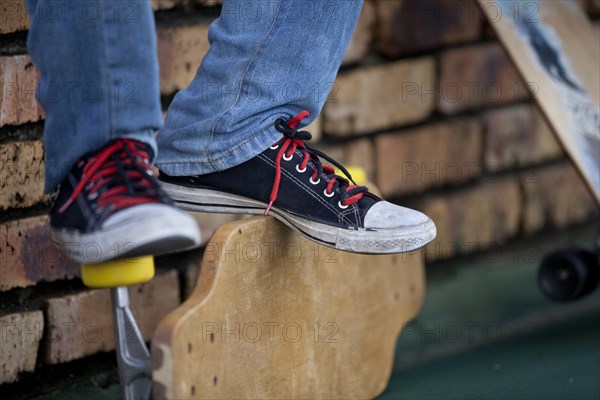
<point x="115" y="273"/>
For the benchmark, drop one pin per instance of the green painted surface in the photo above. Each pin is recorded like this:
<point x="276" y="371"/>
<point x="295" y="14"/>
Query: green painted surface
<point x="486" y="331"/>
<point x="559" y="362"/>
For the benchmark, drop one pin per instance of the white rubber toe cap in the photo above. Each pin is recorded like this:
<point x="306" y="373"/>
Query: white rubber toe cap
<point x="154" y="216"/>
<point x="385" y="215"/>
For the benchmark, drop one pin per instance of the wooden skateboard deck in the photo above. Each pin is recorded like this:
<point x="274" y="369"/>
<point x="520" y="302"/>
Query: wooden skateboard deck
<point x="553" y="45"/>
<point x="275" y="315"/>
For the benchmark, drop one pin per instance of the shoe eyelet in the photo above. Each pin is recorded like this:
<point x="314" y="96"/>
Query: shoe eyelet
<point x="340" y="205"/>
<point x="288" y="159"/>
<point x="314" y="182"/>
<point x="300" y="170"/>
<point x="328" y="194"/>
<point x="274" y="147"/>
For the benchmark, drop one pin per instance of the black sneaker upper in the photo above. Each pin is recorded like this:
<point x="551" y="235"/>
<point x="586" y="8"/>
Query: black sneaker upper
<point x="329" y="198"/>
<point x="101" y="184"/>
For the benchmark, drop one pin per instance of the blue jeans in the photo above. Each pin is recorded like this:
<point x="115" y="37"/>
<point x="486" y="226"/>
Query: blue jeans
<point x="99" y="79"/>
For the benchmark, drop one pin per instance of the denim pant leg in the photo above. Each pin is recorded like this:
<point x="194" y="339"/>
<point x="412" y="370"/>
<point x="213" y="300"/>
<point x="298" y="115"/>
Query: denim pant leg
<point x="268" y="59"/>
<point x="98" y="76"/>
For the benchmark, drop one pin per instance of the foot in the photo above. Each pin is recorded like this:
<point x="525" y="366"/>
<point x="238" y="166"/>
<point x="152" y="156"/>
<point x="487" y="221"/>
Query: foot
<point x="110" y="206"/>
<point x="289" y="181"/>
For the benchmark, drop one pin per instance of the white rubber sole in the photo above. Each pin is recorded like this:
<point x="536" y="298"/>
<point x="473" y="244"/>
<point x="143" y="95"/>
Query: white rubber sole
<point x="148" y="229"/>
<point x="381" y="241"/>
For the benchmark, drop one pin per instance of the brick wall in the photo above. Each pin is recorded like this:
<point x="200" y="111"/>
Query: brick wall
<point x="426" y="101"/>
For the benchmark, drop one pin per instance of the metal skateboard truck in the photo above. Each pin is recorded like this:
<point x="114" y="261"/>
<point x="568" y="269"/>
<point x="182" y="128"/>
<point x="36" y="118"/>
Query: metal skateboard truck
<point x="133" y="356"/>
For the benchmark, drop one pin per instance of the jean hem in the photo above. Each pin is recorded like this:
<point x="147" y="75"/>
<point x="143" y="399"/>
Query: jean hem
<point x="53" y="179"/>
<point x="245" y="151"/>
<point x="145" y="136"/>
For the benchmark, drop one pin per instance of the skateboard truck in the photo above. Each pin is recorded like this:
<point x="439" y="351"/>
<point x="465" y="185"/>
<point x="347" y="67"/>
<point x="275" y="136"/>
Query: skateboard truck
<point x="133" y="357"/>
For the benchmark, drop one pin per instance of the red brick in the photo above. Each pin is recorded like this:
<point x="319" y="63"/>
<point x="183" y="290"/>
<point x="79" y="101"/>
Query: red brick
<point x="412" y="26"/>
<point x="180" y="51"/>
<point x="206" y="3"/>
<point x="29" y="256"/>
<point x="362" y="35"/>
<point x="82" y="324"/>
<point x="373" y="98"/>
<point x="21" y="174"/>
<point x="477" y="76"/>
<point x="473" y="218"/>
<point x="164" y="4"/>
<point x="13" y="16"/>
<point x="359" y="152"/>
<point x="21" y="335"/>
<point x="447" y="153"/>
<point x="555" y="196"/>
<point x="592" y="7"/>
<point x="18" y="78"/>
<point x="518" y="136"/>
<point x="315" y="129"/>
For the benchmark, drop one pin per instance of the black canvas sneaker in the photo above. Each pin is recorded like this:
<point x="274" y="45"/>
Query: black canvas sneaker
<point x="289" y="181"/>
<point x="111" y="206"/>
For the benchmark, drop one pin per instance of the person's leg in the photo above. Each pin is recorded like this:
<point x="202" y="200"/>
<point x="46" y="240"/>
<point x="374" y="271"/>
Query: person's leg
<point x="231" y="142"/>
<point x="268" y="59"/>
<point x="100" y="92"/>
<point x="99" y="77"/>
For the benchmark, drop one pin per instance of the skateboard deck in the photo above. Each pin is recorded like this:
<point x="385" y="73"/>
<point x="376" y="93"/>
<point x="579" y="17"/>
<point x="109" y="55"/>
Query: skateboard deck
<point x="554" y="48"/>
<point x="274" y="315"/>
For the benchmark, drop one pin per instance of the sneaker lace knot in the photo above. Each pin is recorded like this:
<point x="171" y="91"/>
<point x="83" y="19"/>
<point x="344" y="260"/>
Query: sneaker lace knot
<point x="117" y="176"/>
<point x="294" y="139"/>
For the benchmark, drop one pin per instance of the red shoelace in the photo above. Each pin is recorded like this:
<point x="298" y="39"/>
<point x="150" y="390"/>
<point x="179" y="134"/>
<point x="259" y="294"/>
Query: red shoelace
<point x="121" y="171"/>
<point x="292" y="140"/>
